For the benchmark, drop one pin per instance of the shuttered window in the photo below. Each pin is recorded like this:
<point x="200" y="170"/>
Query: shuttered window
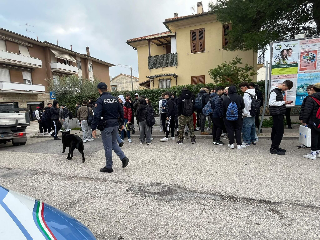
<point x="4" y="75"/>
<point x="3" y="45"/>
<point x="198" y="79"/>
<point x="24" y="51"/>
<point x="27" y="77"/>
<point x="225" y="30"/>
<point x="197" y="40"/>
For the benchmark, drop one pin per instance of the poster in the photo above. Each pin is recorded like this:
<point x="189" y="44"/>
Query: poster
<point x="289" y="95"/>
<point x="285" y="58"/>
<point x="309" y="55"/>
<point x="304" y="80"/>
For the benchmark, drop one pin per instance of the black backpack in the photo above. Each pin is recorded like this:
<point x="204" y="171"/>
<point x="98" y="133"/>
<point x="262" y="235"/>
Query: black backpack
<point x="187" y="107"/>
<point x="255" y="105"/>
<point x="150" y="120"/>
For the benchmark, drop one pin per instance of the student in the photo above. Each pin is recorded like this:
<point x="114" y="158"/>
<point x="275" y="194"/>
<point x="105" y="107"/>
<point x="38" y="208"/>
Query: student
<point x="200" y="101"/>
<point x="46" y="119"/>
<point x="310" y="91"/>
<point x="260" y="97"/>
<point x="38" y="114"/>
<point x="233" y="105"/>
<point x="127" y="112"/>
<point x="54" y="113"/>
<point x="309" y="113"/>
<point x="248" y="128"/>
<point x="83" y="114"/>
<point x="145" y="129"/>
<point x="161" y="103"/>
<point x="277" y="108"/>
<point x="170" y="118"/>
<point x="217" y="115"/>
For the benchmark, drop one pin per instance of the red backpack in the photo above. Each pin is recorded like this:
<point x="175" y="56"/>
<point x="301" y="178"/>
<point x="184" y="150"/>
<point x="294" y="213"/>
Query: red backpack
<point x="316" y="122"/>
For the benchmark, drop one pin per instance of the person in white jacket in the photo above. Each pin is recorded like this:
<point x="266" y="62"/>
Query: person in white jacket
<point x="249" y="134"/>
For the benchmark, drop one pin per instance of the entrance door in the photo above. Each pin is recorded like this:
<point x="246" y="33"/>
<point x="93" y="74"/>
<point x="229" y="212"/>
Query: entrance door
<point x="32" y="106"/>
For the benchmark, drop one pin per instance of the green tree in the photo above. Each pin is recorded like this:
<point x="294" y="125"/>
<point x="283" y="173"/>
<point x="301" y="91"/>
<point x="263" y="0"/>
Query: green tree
<point x="230" y="73"/>
<point x="256" y="23"/>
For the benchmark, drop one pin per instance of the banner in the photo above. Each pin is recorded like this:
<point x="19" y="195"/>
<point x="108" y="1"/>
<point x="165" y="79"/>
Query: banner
<point x="289" y="95"/>
<point x="304" y="80"/>
<point x="309" y="57"/>
<point x="285" y="58"/>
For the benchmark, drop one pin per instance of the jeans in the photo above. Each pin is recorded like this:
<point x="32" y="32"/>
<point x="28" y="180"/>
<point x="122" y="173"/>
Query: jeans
<point x="217" y="129"/>
<point x="85" y="130"/>
<point x="119" y="140"/>
<point x="234" y="129"/>
<point x="249" y="130"/>
<point x="65" y="124"/>
<point x="122" y="132"/>
<point x="145" y="132"/>
<point x="109" y="139"/>
<point x="277" y="131"/>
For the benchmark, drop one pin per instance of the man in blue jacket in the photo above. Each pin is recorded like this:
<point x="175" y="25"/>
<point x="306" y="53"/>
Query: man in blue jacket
<point x="217" y="115"/>
<point x="108" y="107"/>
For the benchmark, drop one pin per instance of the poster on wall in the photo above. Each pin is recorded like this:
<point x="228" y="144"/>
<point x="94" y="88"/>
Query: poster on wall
<point x="304" y="80"/>
<point x="289" y="95"/>
<point x="309" y="55"/>
<point x="285" y="58"/>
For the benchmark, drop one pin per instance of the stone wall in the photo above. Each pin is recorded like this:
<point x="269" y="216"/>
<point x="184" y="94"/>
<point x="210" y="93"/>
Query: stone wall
<point x="24" y="98"/>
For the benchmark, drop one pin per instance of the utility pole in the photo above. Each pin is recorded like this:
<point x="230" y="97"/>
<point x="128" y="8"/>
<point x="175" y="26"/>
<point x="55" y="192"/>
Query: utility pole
<point x="131" y="78"/>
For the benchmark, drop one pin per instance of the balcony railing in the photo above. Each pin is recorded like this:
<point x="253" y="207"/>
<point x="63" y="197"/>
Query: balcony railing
<point x="63" y="68"/>
<point x="19" y="60"/>
<point x="8" y="86"/>
<point x="163" y="61"/>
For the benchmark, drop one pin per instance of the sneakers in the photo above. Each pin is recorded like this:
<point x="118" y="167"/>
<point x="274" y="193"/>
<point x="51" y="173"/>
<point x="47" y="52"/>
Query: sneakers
<point x="180" y="142"/>
<point x="193" y="140"/>
<point x="246" y="144"/>
<point x="164" y="139"/>
<point x="90" y="139"/>
<point x="125" y="162"/>
<point x="86" y="140"/>
<point x="148" y="144"/>
<point x="141" y="143"/>
<point x="197" y="129"/>
<point x="173" y="138"/>
<point x="121" y="144"/>
<point x="231" y="146"/>
<point x="312" y="156"/>
<point x="108" y="170"/>
<point x="282" y="150"/>
<point x="220" y="143"/>
<point x="277" y="151"/>
<point x="129" y="140"/>
<point x="241" y="147"/>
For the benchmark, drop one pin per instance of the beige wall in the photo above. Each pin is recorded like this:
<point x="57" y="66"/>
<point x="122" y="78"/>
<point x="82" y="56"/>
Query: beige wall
<point x="123" y="83"/>
<point x="12" y="47"/>
<point x="194" y="64"/>
<point x="101" y="72"/>
<point x="24" y="98"/>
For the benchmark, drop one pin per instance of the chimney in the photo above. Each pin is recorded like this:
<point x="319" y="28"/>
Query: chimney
<point x="175" y="15"/>
<point x="71" y="47"/>
<point x="199" y="7"/>
<point x="57" y="42"/>
<point x="88" y="51"/>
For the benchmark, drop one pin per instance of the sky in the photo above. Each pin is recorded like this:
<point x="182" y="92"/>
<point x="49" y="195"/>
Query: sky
<point x="102" y="25"/>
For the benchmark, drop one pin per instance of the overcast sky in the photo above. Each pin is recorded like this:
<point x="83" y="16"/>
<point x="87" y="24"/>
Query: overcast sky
<point x="103" y="25"/>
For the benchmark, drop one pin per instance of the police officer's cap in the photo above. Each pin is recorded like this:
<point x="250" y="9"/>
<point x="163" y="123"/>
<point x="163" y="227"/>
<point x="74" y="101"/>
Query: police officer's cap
<point x="102" y="85"/>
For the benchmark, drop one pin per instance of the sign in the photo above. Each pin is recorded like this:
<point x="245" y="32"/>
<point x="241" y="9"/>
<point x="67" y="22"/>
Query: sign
<point x="52" y="95"/>
<point x="299" y="62"/>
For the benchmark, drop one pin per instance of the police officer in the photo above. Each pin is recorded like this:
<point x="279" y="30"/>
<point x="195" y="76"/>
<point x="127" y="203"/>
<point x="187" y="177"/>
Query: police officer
<point x="108" y="107"/>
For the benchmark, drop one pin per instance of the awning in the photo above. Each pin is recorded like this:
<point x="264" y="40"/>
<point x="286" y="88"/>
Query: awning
<point x="62" y="55"/>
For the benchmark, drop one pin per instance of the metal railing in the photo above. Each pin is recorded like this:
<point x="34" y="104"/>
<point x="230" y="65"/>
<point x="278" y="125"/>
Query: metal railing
<point x="163" y="61"/>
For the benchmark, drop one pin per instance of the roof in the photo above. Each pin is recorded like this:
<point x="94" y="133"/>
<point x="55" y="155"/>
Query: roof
<point x="46" y="43"/>
<point x="152" y="36"/>
<point x="121" y="74"/>
<point x="187" y="17"/>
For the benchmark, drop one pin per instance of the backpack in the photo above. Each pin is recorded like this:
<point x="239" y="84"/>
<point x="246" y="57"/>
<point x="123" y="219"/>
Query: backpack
<point x="207" y="110"/>
<point x="70" y="115"/>
<point x="187" y="107"/>
<point x="198" y="103"/>
<point x="90" y="117"/>
<point x="232" y="111"/>
<point x="150" y="120"/>
<point x="255" y="105"/>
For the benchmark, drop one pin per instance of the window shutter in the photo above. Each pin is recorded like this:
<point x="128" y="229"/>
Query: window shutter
<point x="4" y="75"/>
<point x="194" y="40"/>
<point x="3" y="45"/>
<point x="201" y="42"/>
<point x="201" y="79"/>
<point x="194" y="80"/>
<point x="24" y="51"/>
<point x="225" y="30"/>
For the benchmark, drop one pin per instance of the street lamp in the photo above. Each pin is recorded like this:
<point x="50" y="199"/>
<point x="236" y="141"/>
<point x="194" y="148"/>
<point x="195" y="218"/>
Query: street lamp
<point x="126" y="66"/>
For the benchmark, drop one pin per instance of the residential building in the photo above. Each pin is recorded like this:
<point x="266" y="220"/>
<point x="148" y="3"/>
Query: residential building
<point x="27" y="64"/>
<point x="123" y="82"/>
<point x="184" y="54"/>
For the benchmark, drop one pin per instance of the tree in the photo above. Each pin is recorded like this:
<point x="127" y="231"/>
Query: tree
<point x="256" y="23"/>
<point x="228" y="74"/>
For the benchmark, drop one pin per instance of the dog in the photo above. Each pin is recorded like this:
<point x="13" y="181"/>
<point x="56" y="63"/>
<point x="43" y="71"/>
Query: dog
<point x="72" y="142"/>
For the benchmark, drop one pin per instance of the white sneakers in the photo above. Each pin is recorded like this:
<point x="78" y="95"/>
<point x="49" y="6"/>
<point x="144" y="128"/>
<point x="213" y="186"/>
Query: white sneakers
<point x="164" y="139"/>
<point x="86" y="140"/>
<point x="173" y="138"/>
<point x="241" y="146"/>
<point x="90" y="139"/>
<point x="312" y="155"/>
<point x="231" y="146"/>
<point x="129" y="140"/>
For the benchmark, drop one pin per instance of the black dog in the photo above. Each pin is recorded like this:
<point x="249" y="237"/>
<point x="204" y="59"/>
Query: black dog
<point x="73" y="142"/>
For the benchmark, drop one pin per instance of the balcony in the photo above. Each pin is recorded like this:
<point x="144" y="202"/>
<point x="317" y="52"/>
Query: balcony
<point x="21" y="88"/>
<point x="63" y="68"/>
<point x="19" y="60"/>
<point x="163" y="61"/>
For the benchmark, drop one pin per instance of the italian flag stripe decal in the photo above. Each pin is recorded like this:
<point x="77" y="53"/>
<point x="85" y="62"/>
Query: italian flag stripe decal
<point x="42" y="223"/>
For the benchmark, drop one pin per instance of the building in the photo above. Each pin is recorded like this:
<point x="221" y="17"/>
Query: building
<point x="184" y="54"/>
<point x="27" y="64"/>
<point x="123" y="82"/>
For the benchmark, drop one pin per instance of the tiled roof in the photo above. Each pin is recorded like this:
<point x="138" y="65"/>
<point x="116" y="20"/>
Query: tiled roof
<point x="168" y="33"/>
<point x="45" y="43"/>
<point x="188" y="16"/>
<point x="121" y="74"/>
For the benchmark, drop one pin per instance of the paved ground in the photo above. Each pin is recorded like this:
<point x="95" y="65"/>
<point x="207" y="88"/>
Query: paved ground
<point x="172" y="191"/>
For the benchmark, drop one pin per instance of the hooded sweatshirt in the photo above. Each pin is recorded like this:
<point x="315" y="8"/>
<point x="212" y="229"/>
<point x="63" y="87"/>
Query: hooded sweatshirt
<point x="142" y="110"/>
<point x="247" y="101"/>
<point x="310" y="109"/>
<point x="234" y="97"/>
<point x="55" y="112"/>
<point x="185" y="94"/>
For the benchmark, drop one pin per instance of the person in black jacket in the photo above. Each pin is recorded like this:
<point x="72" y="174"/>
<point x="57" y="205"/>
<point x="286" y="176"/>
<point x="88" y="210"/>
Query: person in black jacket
<point x="310" y="90"/>
<point x="309" y="118"/>
<point x="277" y="108"/>
<point x="145" y="130"/>
<point x="233" y="127"/>
<point x="260" y="97"/>
<point x="216" y="116"/>
<point x="170" y="118"/>
<point x="55" y="113"/>
<point x="46" y="118"/>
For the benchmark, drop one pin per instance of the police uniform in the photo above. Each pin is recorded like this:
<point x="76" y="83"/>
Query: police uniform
<point x="108" y="107"/>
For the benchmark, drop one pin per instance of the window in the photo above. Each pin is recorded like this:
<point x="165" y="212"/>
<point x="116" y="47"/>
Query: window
<point x="27" y="77"/>
<point x="79" y="64"/>
<point x="24" y="51"/>
<point x="4" y="75"/>
<point x="90" y="67"/>
<point x="55" y="79"/>
<point x="198" y="80"/>
<point x="3" y="45"/>
<point x="225" y="28"/>
<point x="168" y="48"/>
<point x="114" y="88"/>
<point x="197" y="39"/>
<point x="165" y="83"/>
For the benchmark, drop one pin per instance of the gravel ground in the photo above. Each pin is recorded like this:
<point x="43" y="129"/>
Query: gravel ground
<point x="172" y="191"/>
